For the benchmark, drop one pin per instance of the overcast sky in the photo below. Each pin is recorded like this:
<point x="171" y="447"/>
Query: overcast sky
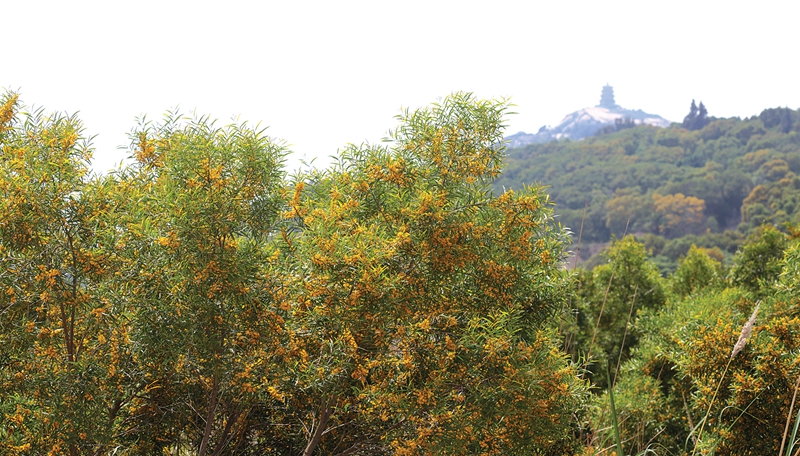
<point x="324" y="74"/>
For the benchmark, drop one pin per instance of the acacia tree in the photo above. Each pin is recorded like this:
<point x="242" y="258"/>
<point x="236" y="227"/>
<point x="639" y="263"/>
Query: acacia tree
<point x="420" y="297"/>
<point x="193" y="302"/>
<point x="64" y="344"/>
<point x="198" y="227"/>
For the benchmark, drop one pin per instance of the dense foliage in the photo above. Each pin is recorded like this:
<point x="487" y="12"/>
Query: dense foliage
<point x="698" y="179"/>
<point x="684" y="375"/>
<point x="198" y="302"/>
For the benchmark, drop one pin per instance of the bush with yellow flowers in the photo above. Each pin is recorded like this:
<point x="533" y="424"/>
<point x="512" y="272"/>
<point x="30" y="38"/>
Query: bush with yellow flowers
<point x="719" y="363"/>
<point x="198" y="301"/>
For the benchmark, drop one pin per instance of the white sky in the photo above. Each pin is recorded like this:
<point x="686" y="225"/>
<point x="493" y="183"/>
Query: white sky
<point x="324" y="74"/>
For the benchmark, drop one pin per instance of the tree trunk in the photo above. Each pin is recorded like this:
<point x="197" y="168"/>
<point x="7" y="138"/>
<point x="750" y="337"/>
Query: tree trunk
<point x="322" y="425"/>
<point x="212" y="406"/>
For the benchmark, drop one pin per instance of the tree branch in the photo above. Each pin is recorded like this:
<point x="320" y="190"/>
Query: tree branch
<point x="316" y="436"/>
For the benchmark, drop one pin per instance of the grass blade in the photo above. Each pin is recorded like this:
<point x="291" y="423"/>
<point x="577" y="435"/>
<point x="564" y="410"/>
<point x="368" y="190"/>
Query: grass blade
<point x="793" y="441"/>
<point x="614" y="420"/>
<point x="789" y="420"/>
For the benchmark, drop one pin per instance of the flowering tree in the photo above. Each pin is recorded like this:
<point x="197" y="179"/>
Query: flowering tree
<point x="64" y="343"/>
<point x="420" y="297"/>
<point x="196" y="302"/>
<point x="201" y="208"/>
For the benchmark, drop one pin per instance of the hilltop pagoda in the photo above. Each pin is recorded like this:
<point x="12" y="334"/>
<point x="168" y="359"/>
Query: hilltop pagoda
<point x="588" y="122"/>
<point x="607" y="98"/>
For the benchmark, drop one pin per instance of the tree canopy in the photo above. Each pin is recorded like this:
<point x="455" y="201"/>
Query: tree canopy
<point x="199" y="301"/>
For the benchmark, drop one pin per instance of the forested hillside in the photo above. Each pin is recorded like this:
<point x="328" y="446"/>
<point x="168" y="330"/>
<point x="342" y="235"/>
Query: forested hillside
<point x="685" y="184"/>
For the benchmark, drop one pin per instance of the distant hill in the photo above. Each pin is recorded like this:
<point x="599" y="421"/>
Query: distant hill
<point x="588" y="121"/>
<point x="676" y="185"/>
